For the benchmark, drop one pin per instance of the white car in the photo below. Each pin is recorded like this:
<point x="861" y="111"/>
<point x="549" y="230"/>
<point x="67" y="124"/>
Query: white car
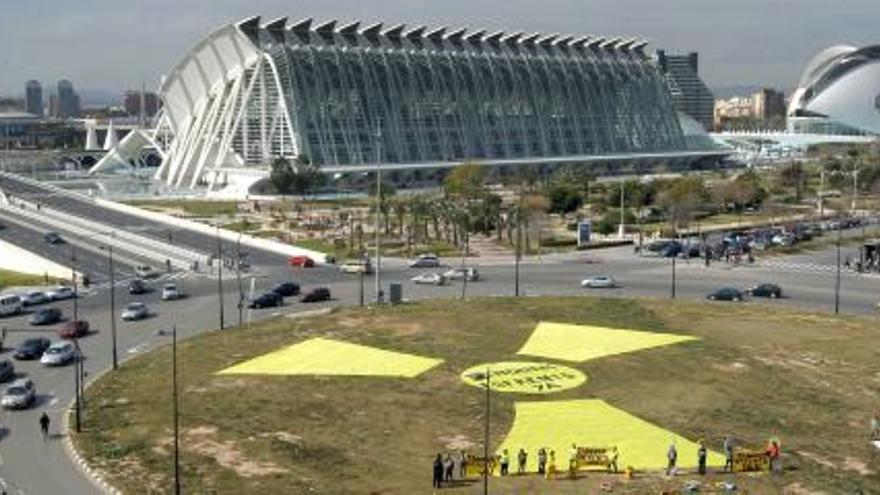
<point x="58" y="354"/>
<point x="135" y="311"/>
<point x="61" y="292"/>
<point x="34" y="297"/>
<point x="171" y="292"/>
<point x="356" y="266"/>
<point x="599" y="282"/>
<point x="459" y="273"/>
<point x="429" y="279"/>
<point x="145" y="271"/>
<point x="426" y="261"/>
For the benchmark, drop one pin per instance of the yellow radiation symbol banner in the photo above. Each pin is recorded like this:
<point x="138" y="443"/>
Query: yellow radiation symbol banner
<point x="524" y="377"/>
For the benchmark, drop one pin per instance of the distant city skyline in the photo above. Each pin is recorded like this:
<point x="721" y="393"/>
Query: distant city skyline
<point x="100" y="45"/>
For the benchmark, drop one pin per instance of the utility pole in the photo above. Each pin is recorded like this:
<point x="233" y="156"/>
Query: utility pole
<point x="822" y="194"/>
<point x="464" y="280"/>
<point x="673" y="278"/>
<point x="518" y="254"/>
<point x="837" y="278"/>
<point x="220" y="276"/>
<point x="112" y="306"/>
<point x="76" y="390"/>
<point x="176" y="411"/>
<point x="75" y="285"/>
<point x="486" y="438"/>
<point x="238" y="278"/>
<point x="622" y="228"/>
<point x="378" y="213"/>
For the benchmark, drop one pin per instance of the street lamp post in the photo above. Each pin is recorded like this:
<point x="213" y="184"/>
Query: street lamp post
<point x="238" y="278"/>
<point x="486" y="437"/>
<point x="76" y="390"/>
<point x="518" y="255"/>
<point x="75" y="285"/>
<point x="175" y="411"/>
<point x="114" y="352"/>
<point x="672" y="293"/>
<point x="837" y="277"/>
<point x="220" y="276"/>
<point x="378" y="213"/>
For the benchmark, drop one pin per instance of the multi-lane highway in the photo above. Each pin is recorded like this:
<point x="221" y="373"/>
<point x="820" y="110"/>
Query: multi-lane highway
<point x="30" y="465"/>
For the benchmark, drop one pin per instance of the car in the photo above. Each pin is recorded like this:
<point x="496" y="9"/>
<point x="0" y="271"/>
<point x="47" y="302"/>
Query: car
<point x="10" y="304"/>
<point x="53" y="238"/>
<point x="61" y="293"/>
<point x="726" y="294"/>
<point x="429" y="279"/>
<point x="599" y="282"/>
<point x="772" y="291"/>
<point x="145" y="271"/>
<point x="46" y="316"/>
<point x="317" y="294"/>
<point x="31" y="348"/>
<point x="266" y="300"/>
<point x="137" y="287"/>
<point x="58" y="354"/>
<point x="426" y="261"/>
<point x="171" y="292"/>
<point x="7" y="370"/>
<point x="34" y="297"/>
<point x="461" y="273"/>
<point x="285" y="289"/>
<point x="19" y="395"/>
<point x="135" y="311"/>
<point x="301" y="261"/>
<point x="356" y="266"/>
<point x="74" y="329"/>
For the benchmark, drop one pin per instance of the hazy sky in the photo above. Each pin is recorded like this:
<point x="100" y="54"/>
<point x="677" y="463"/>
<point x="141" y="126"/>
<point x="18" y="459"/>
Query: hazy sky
<point x="115" y="44"/>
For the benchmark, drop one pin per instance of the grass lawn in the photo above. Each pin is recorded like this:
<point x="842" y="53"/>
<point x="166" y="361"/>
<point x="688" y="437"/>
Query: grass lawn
<point x="755" y="371"/>
<point x="189" y="206"/>
<point x="16" y="279"/>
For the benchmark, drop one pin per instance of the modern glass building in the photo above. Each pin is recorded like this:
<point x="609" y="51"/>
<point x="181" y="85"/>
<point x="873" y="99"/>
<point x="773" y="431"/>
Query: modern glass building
<point x="416" y="101"/>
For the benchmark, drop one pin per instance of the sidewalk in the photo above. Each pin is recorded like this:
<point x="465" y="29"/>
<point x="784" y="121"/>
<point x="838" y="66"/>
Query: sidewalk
<point x="16" y="259"/>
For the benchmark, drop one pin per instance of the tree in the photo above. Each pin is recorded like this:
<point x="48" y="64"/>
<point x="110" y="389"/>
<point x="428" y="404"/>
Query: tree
<point x="298" y="177"/>
<point x="466" y="181"/>
<point x="794" y="177"/>
<point x="564" y="198"/>
<point x="680" y="200"/>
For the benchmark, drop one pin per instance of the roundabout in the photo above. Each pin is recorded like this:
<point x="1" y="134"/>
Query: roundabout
<point x="322" y="404"/>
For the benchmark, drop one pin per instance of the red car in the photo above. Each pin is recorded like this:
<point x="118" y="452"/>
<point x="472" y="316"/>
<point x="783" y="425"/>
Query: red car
<point x="74" y="329"/>
<point x="301" y="260"/>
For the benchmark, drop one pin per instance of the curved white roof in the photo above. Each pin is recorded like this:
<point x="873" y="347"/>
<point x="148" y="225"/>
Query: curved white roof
<point x="205" y="68"/>
<point x="821" y="62"/>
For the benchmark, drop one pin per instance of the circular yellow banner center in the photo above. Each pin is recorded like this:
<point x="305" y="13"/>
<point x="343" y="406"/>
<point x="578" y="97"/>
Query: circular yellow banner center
<point x="524" y="377"/>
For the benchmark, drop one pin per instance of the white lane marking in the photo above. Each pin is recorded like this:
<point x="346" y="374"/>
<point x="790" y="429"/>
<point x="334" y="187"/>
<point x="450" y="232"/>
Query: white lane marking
<point x="138" y="348"/>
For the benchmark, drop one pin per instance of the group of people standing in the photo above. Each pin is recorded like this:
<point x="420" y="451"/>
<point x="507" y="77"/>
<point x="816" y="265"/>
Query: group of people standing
<point x="772" y="452"/>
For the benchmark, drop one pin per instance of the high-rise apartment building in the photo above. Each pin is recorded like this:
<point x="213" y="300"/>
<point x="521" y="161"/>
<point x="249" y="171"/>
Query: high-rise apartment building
<point x="132" y="101"/>
<point x="689" y="94"/>
<point x="65" y="104"/>
<point x="33" y="100"/>
<point x="768" y="103"/>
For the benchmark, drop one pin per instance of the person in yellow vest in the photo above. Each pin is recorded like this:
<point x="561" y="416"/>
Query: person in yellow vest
<point x="573" y="461"/>
<point x="505" y="462"/>
<point x="551" y="466"/>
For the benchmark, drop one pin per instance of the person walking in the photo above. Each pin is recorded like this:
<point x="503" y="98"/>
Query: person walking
<point x="612" y="460"/>
<point x="542" y="461"/>
<point x="728" y="454"/>
<point x="521" y="459"/>
<point x="505" y="462"/>
<point x="671" y="457"/>
<point x="701" y="458"/>
<point x="438" y="471"/>
<point x="449" y="467"/>
<point x="44" y="425"/>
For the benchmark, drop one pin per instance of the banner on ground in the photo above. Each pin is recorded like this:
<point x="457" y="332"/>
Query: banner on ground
<point x="750" y="460"/>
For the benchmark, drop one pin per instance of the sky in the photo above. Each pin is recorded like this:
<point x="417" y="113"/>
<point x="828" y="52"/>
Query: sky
<point x="117" y="44"/>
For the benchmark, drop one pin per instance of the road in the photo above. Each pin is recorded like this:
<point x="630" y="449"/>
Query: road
<point x="807" y="285"/>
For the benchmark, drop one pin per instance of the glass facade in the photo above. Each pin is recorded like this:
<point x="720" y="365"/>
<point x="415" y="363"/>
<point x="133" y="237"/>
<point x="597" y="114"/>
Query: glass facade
<point x="441" y="97"/>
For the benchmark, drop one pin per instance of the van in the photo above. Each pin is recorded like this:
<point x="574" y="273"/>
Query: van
<point x="356" y="266"/>
<point x="10" y="304"/>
